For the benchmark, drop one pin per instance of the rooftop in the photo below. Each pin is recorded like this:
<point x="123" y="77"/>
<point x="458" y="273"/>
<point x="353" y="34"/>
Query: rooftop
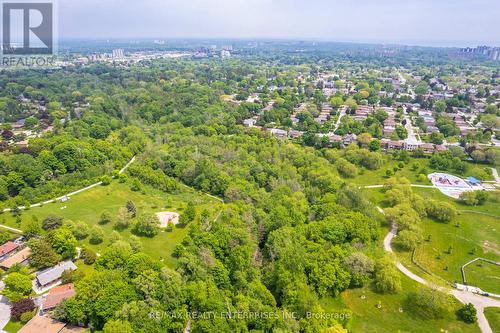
<point x="52" y="274"/>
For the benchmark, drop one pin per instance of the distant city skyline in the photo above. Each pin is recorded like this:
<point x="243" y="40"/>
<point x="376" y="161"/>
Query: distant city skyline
<point x="457" y="23"/>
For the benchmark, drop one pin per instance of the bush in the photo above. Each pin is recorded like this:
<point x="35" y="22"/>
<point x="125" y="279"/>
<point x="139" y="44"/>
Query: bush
<point x="441" y="211"/>
<point x="430" y="304"/>
<point x="52" y="222"/>
<point x="80" y="230"/>
<point x="105" y="218"/>
<point x="407" y="240"/>
<point x="96" y="235"/>
<point x="467" y="313"/>
<point x="25" y="317"/>
<point x="20" y="307"/>
<point x="146" y="225"/>
<point x="387" y="277"/>
<point x="106" y="180"/>
<point x="474" y="198"/>
<point x="88" y="256"/>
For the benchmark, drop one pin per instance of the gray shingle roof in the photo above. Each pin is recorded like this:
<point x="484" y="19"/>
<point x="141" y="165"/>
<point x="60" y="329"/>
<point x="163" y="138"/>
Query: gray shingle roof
<point x="52" y="274"/>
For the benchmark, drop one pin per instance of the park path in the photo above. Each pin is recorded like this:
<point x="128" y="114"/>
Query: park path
<point x="412" y="185"/>
<point x="479" y="302"/>
<point x="495" y="175"/>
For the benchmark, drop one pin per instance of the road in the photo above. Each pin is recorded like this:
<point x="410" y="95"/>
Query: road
<point x="412" y="137"/>
<point x="479" y="302"/>
<point x="343" y="111"/>
<point x="4" y="312"/>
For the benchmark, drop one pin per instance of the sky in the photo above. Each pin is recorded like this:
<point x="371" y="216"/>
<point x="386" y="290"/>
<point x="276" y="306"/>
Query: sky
<point x="412" y="22"/>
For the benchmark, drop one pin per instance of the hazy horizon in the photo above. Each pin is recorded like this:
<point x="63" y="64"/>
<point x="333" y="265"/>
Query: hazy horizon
<point x="421" y="22"/>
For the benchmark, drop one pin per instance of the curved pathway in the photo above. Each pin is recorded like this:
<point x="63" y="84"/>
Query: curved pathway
<point x="479" y="302"/>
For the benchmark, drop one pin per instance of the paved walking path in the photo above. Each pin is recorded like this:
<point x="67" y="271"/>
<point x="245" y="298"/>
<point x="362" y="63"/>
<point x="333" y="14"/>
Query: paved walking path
<point x="412" y="185"/>
<point x="479" y="302"/>
<point x="495" y="175"/>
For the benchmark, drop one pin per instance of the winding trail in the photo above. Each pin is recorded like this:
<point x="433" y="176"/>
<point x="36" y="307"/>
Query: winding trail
<point x="465" y="297"/>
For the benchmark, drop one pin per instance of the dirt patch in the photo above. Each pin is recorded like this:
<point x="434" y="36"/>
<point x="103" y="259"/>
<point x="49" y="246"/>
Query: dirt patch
<point x="166" y="217"/>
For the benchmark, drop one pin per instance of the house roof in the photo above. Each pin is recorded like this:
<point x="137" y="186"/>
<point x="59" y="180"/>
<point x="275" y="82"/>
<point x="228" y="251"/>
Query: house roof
<point x="58" y="294"/>
<point x="54" y="273"/>
<point x="41" y="324"/>
<point x="7" y="248"/>
<point x="17" y="258"/>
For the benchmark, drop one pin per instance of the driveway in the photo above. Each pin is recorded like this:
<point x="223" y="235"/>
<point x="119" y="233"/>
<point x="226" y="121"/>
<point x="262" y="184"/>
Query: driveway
<point x="4" y="312"/>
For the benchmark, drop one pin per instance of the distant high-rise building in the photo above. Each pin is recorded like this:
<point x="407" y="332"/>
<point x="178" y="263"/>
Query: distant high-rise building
<point x="495" y="54"/>
<point x="225" y="54"/>
<point x="118" y="54"/>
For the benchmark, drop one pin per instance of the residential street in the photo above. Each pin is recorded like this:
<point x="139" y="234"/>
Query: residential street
<point x="4" y="312"/>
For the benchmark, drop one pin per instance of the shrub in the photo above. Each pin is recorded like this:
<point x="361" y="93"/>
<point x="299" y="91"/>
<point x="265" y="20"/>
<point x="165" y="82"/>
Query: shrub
<point x="387" y="277"/>
<point x="146" y="225"/>
<point x="52" y="222"/>
<point x="25" y="317"/>
<point x="20" y="307"/>
<point x="467" y="313"/>
<point x="430" y="304"/>
<point x="96" y="235"/>
<point x="88" y="256"/>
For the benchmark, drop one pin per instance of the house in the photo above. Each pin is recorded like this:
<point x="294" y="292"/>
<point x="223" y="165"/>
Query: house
<point x="7" y="248"/>
<point x="295" y="134"/>
<point x="43" y="324"/>
<point x="349" y="139"/>
<point x="20" y="257"/>
<point x="19" y="124"/>
<point x="397" y="145"/>
<point x="51" y="276"/>
<point x="57" y="295"/>
<point x="250" y="122"/>
<point x="428" y="148"/>
<point x="279" y="133"/>
<point x="335" y="138"/>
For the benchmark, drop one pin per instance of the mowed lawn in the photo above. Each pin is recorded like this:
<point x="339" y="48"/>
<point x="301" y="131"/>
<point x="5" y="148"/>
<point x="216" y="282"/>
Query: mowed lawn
<point x="484" y="275"/>
<point x="471" y="235"/>
<point x="493" y="316"/>
<point x="88" y="207"/>
<point x="378" y="177"/>
<point x="362" y="303"/>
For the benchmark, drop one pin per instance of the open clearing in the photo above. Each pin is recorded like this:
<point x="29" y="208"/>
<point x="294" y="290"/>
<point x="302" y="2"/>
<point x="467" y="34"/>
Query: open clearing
<point x="88" y="207"/>
<point x="366" y="317"/>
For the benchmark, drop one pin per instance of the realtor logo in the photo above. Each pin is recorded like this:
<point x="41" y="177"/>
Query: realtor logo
<point x="27" y="28"/>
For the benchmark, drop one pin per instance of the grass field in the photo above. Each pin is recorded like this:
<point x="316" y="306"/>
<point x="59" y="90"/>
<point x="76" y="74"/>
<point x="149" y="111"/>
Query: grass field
<point x="471" y="235"/>
<point x="477" y="237"/>
<point x="484" y="275"/>
<point x="13" y="326"/>
<point x="366" y="317"/>
<point x="88" y="207"/>
<point x="378" y="177"/>
<point x="493" y="316"/>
